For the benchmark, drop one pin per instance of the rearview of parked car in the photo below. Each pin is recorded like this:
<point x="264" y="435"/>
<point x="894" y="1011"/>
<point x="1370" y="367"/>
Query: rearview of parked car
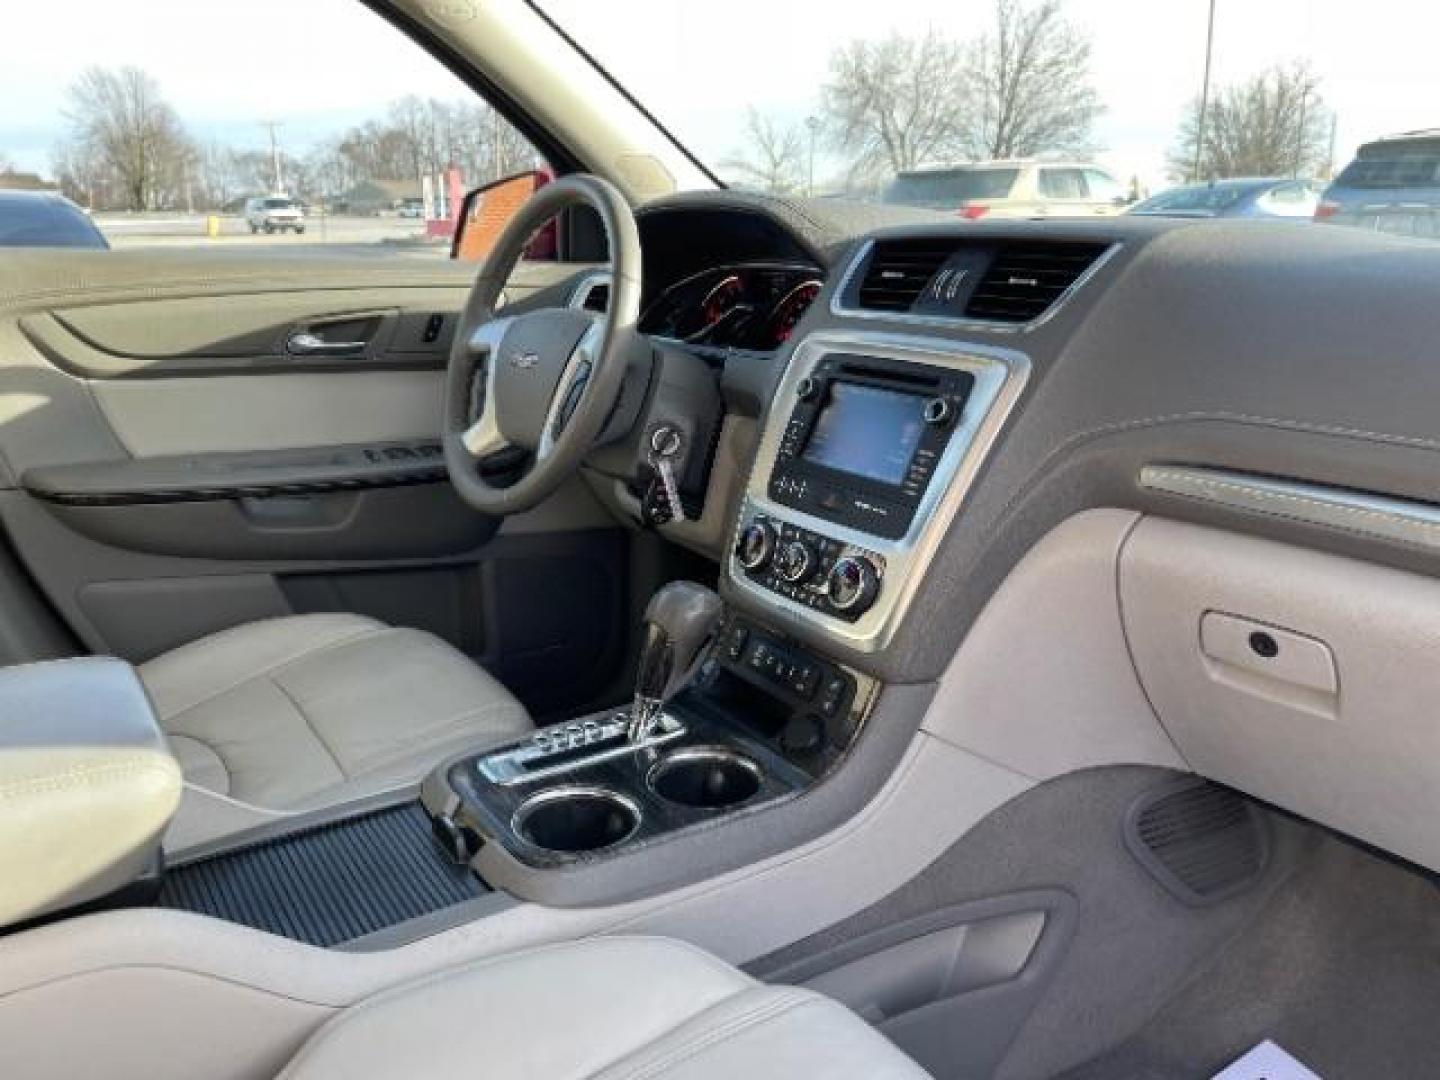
<point x="1392" y="186"/>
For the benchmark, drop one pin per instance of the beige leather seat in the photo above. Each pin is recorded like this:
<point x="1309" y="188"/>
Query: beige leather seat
<point x="308" y="711"/>
<point x="607" y="1009"/>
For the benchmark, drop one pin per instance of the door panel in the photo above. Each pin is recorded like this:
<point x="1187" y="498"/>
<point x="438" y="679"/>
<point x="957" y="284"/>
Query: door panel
<point x="205" y="475"/>
<point x="153" y="417"/>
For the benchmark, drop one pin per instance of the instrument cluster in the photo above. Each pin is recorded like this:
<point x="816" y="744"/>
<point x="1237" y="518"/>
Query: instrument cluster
<point x="752" y="306"/>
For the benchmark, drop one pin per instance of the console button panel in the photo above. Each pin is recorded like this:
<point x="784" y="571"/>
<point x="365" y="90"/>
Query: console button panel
<point x="799" y="701"/>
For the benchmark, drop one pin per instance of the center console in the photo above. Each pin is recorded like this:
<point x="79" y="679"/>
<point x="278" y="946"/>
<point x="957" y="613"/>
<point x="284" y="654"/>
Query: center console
<point x="871" y="445"/>
<point x="754" y="720"/>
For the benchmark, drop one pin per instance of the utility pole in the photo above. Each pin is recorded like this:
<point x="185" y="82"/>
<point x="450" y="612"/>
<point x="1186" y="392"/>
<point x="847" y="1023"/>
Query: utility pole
<point x="1330" y="149"/>
<point x="1300" y="131"/>
<point x="1204" y="96"/>
<point x="275" y="175"/>
<point x="812" y="124"/>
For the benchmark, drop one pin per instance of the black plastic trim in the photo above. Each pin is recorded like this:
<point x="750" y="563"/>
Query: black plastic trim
<point x="431" y="475"/>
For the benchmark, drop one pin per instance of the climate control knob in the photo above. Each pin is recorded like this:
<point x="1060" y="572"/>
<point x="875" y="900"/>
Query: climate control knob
<point x="795" y="562"/>
<point x="756" y="546"/>
<point x="853" y="584"/>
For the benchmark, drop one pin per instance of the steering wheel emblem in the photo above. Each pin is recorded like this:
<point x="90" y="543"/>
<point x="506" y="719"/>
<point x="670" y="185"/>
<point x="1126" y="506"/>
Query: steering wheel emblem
<point x="524" y="361"/>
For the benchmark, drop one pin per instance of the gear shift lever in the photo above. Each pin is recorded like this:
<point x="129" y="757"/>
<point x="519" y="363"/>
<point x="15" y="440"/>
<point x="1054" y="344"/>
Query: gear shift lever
<point x="678" y="621"/>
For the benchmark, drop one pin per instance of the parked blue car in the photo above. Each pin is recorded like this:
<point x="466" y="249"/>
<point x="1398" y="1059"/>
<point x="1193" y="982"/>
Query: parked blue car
<point x="1257" y="197"/>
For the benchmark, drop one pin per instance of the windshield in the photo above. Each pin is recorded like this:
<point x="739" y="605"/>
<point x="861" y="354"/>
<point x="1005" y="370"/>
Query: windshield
<point x="854" y="99"/>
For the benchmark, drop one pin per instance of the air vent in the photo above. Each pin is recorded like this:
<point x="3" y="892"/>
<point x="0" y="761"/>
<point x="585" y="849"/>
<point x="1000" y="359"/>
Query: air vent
<point x="1025" y="279"/>
<point x="899" y="270"/>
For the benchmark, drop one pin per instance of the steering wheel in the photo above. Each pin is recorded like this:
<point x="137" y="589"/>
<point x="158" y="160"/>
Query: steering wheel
<point x="545" y="381"/>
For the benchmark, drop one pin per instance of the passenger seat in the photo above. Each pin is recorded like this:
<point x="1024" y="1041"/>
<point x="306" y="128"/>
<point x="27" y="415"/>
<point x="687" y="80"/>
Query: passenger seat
<point x="607" y="1009"/>
<point x="305" y="712"/>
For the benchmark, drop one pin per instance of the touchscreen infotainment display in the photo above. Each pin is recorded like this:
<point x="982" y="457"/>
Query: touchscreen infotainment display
<point x="867" y="431"/>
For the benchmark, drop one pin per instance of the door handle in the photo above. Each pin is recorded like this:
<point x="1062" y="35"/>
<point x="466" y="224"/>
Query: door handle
<point x="308" y="343"/>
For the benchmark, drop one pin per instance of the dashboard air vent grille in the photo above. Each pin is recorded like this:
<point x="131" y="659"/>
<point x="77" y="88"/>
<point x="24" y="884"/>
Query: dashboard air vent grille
<point x="898" y="272"/>
<point x="1024" y="279"/>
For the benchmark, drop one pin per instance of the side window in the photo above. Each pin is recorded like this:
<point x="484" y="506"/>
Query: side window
<point x="330" y="129"/>
<point x="1289" y="194"/>
<point x="1103" y="187"/>
<point x="1062" y="183"/>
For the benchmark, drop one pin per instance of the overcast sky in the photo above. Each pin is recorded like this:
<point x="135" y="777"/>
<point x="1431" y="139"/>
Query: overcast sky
<point x="320" y="65"/>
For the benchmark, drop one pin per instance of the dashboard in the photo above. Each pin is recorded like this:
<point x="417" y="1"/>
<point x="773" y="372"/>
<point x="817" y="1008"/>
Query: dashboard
<point x="753" y="306"/>
<point x="1248" y="406"/>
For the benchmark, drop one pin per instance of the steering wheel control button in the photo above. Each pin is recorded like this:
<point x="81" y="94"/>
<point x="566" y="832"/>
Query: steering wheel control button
<point x="854" y="584"/>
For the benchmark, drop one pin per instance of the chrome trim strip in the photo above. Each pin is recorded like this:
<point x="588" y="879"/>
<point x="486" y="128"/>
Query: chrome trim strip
<point x="1383" y="517"/>
<point x="506" y="766"/>
<point x="1000" y="376"/>
<point x="838" y="307"/>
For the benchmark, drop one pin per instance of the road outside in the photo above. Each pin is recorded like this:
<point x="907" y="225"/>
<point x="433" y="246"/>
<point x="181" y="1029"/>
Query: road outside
<point x="336" y="235"/>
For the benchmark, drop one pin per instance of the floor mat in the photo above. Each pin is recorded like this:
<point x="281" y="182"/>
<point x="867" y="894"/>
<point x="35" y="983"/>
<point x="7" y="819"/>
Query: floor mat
<point x="1342" y="969"/>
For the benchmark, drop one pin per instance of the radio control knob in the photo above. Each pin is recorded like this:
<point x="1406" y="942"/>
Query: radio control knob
<point x="938" y="411"/>
<point x="796" y="562"/>
<point x="756" y="546"/>
<point x="853" y="584"/>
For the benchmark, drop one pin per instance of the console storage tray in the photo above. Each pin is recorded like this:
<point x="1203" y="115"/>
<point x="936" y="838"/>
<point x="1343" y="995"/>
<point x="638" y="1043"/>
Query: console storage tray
<point x="331" y="884"/>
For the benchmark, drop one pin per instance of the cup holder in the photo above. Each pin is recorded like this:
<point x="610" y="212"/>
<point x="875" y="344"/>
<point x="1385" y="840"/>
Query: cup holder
<point x="576" y="819"/>
<point x="705" y="777"/>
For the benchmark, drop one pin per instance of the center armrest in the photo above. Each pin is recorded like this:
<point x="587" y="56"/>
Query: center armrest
<point x="87" y="783"/>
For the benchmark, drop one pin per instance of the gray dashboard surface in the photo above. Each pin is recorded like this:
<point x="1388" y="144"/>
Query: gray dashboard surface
<point x="1286" y="350"/>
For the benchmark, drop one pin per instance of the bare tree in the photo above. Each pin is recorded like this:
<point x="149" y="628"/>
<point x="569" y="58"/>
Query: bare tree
<point x="1275" y="124"/>
<point x="1021" y="88"/>
<point x="894" y="103"/>
<point x="774" y="157"/>
<point x="121" y="125"/>
<point x="418" y="137"/>
<point x="1029" y="81"/>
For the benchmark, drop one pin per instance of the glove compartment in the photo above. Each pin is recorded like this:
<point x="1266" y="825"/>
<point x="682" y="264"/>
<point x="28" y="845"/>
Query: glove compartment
<point x="1305" y="679"/>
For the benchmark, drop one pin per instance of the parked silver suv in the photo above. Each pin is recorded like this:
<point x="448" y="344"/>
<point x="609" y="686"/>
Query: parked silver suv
<point x="1010" y="189"/>
<point x="1392" y="186"/>
<point x="274" y="213"/>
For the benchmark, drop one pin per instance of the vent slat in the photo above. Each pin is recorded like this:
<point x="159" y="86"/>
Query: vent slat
<point x="898" y="272"/>
<point x="1024" y="280"/>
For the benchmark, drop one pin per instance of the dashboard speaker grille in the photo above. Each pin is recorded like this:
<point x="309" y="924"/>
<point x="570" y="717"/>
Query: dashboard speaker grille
<point x="1201" y="841"/>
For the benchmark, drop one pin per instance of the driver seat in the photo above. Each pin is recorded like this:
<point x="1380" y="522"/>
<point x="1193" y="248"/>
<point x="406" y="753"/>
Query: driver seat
<point x="305" y="712"/>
